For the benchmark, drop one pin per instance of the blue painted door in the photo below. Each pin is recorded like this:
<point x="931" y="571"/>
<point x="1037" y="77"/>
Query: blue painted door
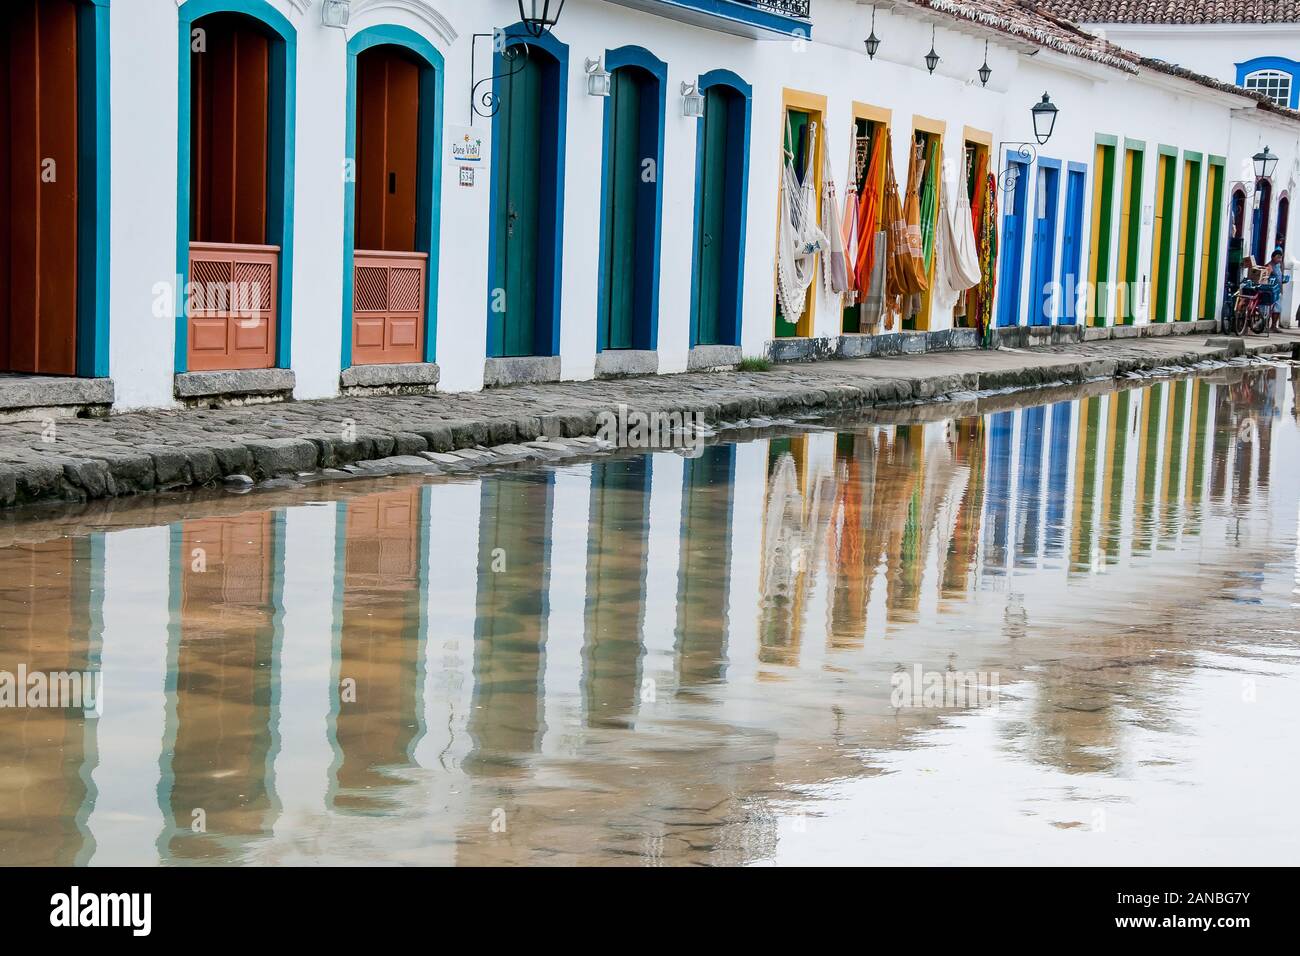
<point x="1046" y="192"/>
<point x="1013" y="244"/>
<point x="1071" y="246"/>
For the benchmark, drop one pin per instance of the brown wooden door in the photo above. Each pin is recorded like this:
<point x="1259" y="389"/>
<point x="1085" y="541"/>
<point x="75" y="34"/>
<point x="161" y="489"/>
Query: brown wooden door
<point x="389" y="275"/>
<point x="233" y="271"/>
<point x="38" y="186"/>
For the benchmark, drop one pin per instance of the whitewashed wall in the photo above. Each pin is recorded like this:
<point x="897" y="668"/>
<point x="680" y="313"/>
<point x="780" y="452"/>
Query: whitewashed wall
<point x="1092" y="99"/>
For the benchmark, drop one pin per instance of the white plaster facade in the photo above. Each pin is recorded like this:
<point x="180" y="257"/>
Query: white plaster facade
<point x="1093" y="99"/>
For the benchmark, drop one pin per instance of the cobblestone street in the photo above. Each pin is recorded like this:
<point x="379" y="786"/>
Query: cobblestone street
<point x="83" y="459"/>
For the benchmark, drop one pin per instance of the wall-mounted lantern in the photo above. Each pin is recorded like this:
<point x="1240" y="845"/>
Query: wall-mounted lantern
<point x="335" y="13"/>
<point x="539" y="16"/>
<point x="1044" y="113"/>
<point x="598" y="81"/>
<point x="692" y="100"/>
<point x="872" y="42"/>
<point x="931" y="58"/>
<point x="1265" y="163"/>
<point x="985" y="71"/>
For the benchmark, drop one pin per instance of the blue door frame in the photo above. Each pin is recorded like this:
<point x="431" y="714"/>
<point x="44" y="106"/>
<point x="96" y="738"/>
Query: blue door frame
<point x="280" y="128"/>
<point x="93" y="186"/>
<point x="1047" y="203"/>
<point x="1013" y="243"/>
<point x="1072" y="242"/>
<point x="429" y="192"/>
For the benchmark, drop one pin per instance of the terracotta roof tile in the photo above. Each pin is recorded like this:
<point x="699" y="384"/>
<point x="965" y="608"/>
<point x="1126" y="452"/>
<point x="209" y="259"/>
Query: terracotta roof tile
<point x="1176" y="11"/>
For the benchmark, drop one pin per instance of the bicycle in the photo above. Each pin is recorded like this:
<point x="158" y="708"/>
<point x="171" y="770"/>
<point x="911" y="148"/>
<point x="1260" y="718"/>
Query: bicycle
<point x="1251" y="305"/>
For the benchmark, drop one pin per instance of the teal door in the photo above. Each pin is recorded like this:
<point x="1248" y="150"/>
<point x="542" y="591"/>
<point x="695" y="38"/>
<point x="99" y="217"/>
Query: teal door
<point x="628" y="113"/>
<point x="711" y="223"/>
<point x="514" y="305"/>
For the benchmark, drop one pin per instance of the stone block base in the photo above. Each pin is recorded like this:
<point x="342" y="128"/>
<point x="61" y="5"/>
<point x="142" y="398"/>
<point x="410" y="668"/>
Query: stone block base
<point x="520" y="370"/>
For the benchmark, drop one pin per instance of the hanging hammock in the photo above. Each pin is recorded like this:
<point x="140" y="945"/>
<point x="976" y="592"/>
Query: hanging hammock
<point x="834" y="268"/>
<point x="929" y="193"/>
<point x="800" y="237"/>
<point x="988" y="236"/>
<point x="957" y="266"/>
<point x="851" y="243"/>
<point x="869" y="207"/>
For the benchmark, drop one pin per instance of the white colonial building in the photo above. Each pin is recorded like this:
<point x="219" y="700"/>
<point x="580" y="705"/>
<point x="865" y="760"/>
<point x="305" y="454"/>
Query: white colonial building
<point x="245" y="199"/>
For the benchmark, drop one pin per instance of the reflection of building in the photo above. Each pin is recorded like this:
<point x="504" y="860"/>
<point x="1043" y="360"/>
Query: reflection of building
<point x="217" y="787"/>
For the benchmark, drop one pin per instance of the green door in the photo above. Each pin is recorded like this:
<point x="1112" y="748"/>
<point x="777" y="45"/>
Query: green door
<point x="514" y="302"/>
<point x="622" y="193"/>
<point x="709" y="234"/>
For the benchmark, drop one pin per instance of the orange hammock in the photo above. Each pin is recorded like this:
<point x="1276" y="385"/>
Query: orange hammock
<point x="869" y="214"/>
<point x="905" y="266"/>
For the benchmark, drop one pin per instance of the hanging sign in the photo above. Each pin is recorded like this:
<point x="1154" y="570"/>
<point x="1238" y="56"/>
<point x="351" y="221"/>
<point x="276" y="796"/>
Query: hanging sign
<point x="465" y="146"/>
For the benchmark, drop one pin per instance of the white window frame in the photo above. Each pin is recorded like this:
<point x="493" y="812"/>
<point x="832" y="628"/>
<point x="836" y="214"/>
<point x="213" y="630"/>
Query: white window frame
<point x="1273" y="83"/>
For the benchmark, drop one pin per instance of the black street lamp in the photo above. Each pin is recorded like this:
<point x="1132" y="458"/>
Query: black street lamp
<point x="1265" y="163"/>
<point x="539" y="16"/>
<point x="1044" y="113"/>
<point x="873" y="41"/>
<point x="931" y="58"/>
<point x="985" y="71"/>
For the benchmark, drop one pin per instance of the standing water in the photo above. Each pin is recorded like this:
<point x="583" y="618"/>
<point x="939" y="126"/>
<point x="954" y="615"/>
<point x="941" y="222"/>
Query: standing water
<point x="1064" y="630"/>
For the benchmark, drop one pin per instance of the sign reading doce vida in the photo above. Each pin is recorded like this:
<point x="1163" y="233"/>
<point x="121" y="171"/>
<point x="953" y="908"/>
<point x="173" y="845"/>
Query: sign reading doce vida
<point x="465" y="146"/>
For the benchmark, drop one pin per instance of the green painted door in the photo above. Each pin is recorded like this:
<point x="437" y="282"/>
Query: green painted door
<point x="709" y="234"/>
<point x="796" y="142"/>
<point x="624" y="172"/>
<point x="514" y="302"/>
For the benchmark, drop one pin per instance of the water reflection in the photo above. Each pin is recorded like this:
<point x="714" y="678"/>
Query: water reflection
<point x="638" y="658"/>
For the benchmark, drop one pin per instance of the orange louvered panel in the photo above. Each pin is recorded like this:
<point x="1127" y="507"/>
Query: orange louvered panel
<point x="232" y="306"/>
<point x="388" y="307"/>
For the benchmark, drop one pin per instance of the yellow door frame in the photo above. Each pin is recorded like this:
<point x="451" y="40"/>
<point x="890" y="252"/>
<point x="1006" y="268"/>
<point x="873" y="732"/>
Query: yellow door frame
<point x="932" y="127"/>
<point x="814" y="105"/>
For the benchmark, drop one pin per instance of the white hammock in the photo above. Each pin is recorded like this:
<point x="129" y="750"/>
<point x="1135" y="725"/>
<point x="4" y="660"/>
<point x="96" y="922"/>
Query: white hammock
<point x="959" y="264"/>
<point x="800" y="237"/>
<point x="835" y="271"/>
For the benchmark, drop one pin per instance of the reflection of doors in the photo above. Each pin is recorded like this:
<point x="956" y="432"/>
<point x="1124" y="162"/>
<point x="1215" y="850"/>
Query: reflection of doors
<point x="1013" y="244"/>
<point x="1046" y="192"/>
<point x="38" y="186"/>
<point x="389" y="280"/>
<point x="629" y="213"/>
<point x="519" y="126"/>
<point x="1071" y="246"/>
<point x="233" y="269"/>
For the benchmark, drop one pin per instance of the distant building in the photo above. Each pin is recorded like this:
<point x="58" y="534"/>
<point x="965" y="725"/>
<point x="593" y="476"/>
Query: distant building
<point x="1253" y="43"/>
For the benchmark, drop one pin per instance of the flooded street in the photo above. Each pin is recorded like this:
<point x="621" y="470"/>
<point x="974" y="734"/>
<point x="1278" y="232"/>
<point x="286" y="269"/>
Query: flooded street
<point x="1050" y="633"/>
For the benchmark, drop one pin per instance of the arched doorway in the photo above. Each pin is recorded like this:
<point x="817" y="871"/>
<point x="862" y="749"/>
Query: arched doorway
<point x="1283" y="215"/>
<point x="527" y="197"/>
<point x="1259" y="225"/>
<point x="1236" y="239"/>
<point x="39" y="170"/>
<point x="394" y="138"/>
<point x="721" y="191"/>
<point x="627" y="310"/>
<point x="236" y="149"/>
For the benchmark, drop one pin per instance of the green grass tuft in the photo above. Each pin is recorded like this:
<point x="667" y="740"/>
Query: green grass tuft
<point x="755" y="363"/>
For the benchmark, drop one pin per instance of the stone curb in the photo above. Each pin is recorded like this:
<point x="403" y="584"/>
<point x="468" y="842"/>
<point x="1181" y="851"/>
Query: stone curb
<point x="120" y="470"/>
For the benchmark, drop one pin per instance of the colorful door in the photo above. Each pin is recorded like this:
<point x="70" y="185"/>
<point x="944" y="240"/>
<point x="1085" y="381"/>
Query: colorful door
<point x="1130" y="230"/>
<point x="1046" y="195"/>
<point x="1071" y="246"/>
<point x="389" y="273"/>
<point x="632" y="128"/>
<point x="1191" y="209"/>
<point x="716" y="230"/>
<point x="518" y="208"/>
<point x="38" y="187"/>
<point x="1103" y="202"/>
<point x="234" y="271"/>
<point x="1163" y="241"/>
<point x="1013" y="245"/>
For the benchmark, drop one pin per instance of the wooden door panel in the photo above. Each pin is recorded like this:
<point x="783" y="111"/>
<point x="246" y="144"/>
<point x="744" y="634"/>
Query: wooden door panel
<point x="388" y="307"/>
<point x="232" y="306"/>
<point x="38" y="293"/>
